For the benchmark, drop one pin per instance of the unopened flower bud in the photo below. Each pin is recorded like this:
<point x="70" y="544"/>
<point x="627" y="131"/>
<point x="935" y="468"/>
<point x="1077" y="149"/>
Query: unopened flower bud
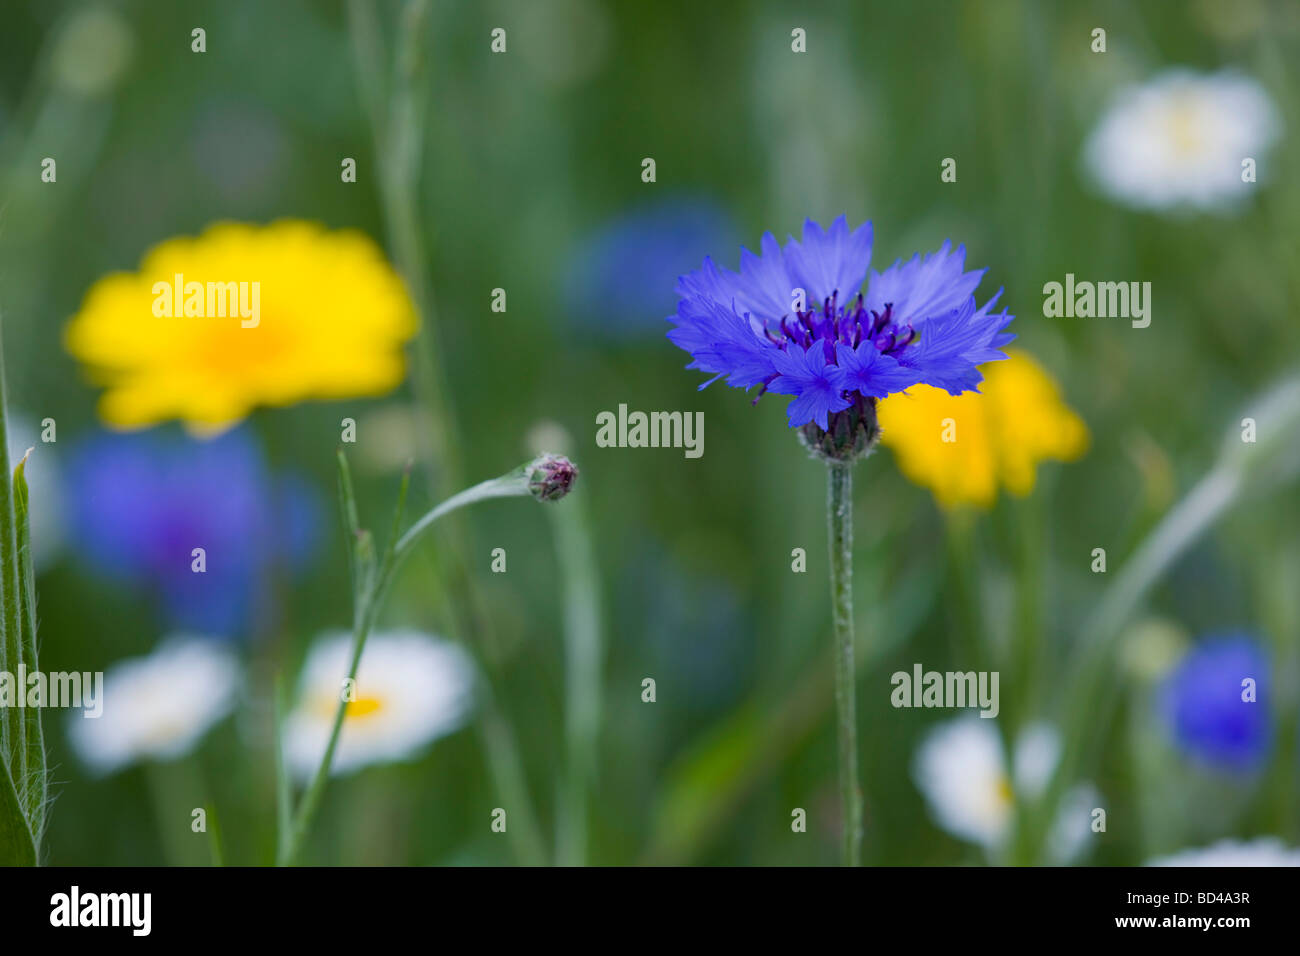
<point x="551" y="477"/>
<point x="850" y="434"/>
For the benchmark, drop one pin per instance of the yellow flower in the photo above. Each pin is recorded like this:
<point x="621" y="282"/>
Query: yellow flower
<point x="243" y="315"/>
<point x="963" y="448"/>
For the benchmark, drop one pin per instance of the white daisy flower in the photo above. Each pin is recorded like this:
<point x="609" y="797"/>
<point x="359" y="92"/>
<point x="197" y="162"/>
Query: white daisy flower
<point x="1180" y="139"/>
<point x="157" y="707"/>
<point x="1264" y="851"/>
<point x="962" y="773"/>
<point x="410" y="689"/>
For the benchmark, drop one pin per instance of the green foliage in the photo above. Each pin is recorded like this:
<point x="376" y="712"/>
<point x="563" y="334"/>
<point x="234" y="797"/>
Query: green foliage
<point x="23" y="796"/>
<point x="524" y="155"/>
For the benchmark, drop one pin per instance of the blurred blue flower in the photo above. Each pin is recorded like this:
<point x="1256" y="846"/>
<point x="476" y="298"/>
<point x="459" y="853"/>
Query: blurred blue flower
<point x="614" y="285"/>
<point x="1202" y="703"/>
<point x="142" y="503"/>
<point x="693" y="628"/>
<point x="792" y="321"/>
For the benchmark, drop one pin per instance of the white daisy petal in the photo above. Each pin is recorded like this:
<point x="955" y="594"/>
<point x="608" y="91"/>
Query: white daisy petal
<point x="1179" y="140"/>
<point x="1264" y="851"/>
<point x="157" y="707"/>
<point x="962" y="773"/>
<point x="1071" y="831"/>
<point x="960" y="770"/>
<point x="410" y="689"/>
<point x="1038" y="748"/>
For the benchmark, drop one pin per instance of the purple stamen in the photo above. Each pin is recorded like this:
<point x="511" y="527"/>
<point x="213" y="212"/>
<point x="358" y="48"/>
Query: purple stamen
<point x="852" y="324"/>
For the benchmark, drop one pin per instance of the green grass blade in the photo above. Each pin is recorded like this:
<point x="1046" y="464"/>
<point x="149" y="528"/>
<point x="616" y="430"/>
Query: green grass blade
<point x="17" y="848"/>
<point x="16" y="843"/>
<point x="36" y="782"/>
<point x="12" y="751"/>
<point x="214" y="836"/>
<point x="283" y="793"/>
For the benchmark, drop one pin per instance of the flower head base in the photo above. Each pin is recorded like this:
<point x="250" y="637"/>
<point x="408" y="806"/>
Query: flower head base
<point x="794" y="322"/>
<point x="850" y="433"/>
<point x="242" y="316"/>
<point x="551" y="477"/>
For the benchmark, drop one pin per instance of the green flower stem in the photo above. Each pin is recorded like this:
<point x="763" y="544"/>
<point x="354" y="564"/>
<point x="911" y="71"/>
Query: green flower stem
<point x="283" y="788"/>
<point x="1022" y="661"/>
<point x="510" y="485"/>
<point x="176" y="788"/>
<point x="214" y="835"/>
<point x="35" y="764"/>
<point x="23" y="774"/>
<point x="13" y="735"/>
<point x="839" y="526"/>
<point x="498" y="739"/>
<point x="507" y="771"/>
<point x="1093" y="689"/>
<point x="371" y="582"/>
<point x="703" y="787"/>
<point x="963" y="566"/>
<point x="311" y="799"/>
<point x="1243" y="470"/>
<point x="1031" y="558"/>
<point x="396" y="106"/>
<point x="582" y="659"/>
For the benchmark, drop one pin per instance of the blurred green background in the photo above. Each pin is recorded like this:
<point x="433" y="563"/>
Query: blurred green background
<point x="531" y="166"/>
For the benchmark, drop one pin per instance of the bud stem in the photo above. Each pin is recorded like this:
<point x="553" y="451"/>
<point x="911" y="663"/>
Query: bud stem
<point x="512" y="484"/>
<point x="371" y="587"/>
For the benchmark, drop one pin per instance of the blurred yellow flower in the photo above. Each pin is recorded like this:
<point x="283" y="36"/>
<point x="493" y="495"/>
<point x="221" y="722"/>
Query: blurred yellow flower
<point x="964" y="447"/>
<point x="243" y="315"/>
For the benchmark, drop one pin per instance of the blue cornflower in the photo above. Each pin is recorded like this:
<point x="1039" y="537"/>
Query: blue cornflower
<point x="141" y="503"/>
<point x="614" y="282"/>
<point x="1203" y="706"/>
<point x="793" y="321"/>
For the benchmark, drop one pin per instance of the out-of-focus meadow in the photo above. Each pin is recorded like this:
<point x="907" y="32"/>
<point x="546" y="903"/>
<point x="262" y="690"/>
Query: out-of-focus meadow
<point x="530" y="181"/>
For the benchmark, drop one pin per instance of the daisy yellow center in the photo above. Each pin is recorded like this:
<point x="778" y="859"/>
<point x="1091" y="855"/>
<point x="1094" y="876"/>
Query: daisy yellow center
<point x="163" y="733"/>
<point x="364" y="707"/>
<point x="360" y="708"/>
<point x="1185" y="127"/>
